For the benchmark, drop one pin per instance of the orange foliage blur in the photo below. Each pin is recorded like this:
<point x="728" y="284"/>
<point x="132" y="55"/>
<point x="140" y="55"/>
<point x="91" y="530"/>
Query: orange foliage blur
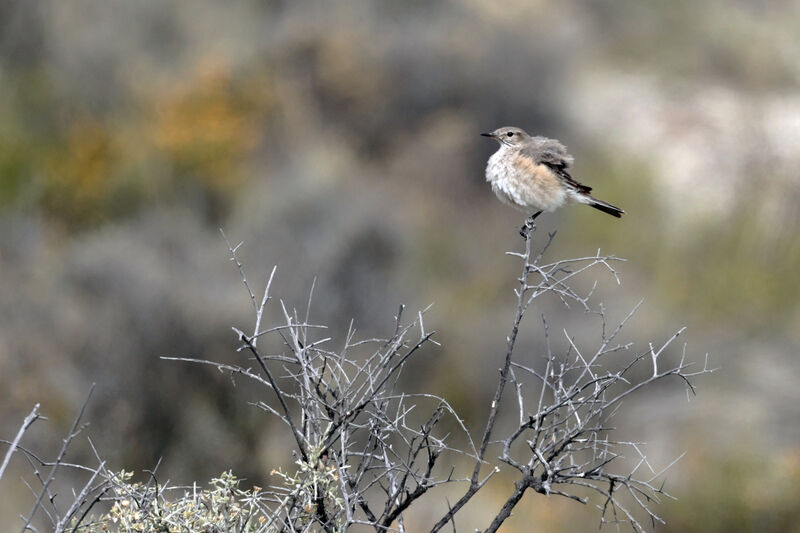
<point x="206" y="127"/>
<point x="78" y="174"/>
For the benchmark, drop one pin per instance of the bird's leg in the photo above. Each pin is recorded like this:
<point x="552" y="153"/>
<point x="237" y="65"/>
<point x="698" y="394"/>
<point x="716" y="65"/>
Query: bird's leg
<point x="528" y="226"/>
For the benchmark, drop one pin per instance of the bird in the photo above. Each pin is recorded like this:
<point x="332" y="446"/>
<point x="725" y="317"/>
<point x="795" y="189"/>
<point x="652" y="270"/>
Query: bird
<point x="531" y="173"/>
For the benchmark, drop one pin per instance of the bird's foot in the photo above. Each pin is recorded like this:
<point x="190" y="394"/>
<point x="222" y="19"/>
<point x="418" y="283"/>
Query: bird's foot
<point x="526" y="228"/>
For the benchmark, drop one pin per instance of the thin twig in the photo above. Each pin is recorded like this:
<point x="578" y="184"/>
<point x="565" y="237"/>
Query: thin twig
<point x="32" y="417"/>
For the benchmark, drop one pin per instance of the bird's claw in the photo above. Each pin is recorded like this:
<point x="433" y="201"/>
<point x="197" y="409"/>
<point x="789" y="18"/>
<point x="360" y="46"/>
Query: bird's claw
<point x="526" y="228"/>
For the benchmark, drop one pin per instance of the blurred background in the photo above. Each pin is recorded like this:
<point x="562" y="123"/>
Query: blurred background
<point x="341" y="141"/>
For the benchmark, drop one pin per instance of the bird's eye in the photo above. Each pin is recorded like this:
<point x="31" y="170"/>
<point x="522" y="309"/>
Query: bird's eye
<point x="510" y="133"/>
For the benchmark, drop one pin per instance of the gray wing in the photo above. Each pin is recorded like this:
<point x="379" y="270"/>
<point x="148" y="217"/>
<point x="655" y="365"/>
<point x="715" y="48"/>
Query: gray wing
<point x="552" y="153"/>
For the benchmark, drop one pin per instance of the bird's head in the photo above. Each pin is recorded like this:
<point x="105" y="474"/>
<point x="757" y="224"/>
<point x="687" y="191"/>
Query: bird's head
<point x="509" y="136"/>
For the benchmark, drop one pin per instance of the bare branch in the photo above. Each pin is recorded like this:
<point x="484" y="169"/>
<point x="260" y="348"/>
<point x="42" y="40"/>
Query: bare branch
<point x="32" y="417"/>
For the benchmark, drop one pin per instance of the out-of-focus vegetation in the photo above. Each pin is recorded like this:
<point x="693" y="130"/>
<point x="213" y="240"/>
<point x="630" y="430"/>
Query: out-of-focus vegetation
<point x="82" y="169"/>
<point x="340" y="141"/>
<point x="739" y="492"/>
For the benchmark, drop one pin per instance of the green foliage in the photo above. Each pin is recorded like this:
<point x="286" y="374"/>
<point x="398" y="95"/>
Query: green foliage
<point x="221" y="507"/>
<point x="314" y="483"/>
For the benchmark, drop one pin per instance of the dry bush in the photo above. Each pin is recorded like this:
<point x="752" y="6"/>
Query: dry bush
<point x="367" y="452"/>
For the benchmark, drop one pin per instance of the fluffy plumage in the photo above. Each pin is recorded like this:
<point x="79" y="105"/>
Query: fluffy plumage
<point x="531" y="174"/>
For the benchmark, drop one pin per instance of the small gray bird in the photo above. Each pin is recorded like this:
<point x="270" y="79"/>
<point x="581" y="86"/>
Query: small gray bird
<point x="530" y="173"/>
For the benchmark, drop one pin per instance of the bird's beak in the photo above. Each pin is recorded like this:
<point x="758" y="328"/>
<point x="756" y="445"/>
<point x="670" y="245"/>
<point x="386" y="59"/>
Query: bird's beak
<point x="488" y="134"/>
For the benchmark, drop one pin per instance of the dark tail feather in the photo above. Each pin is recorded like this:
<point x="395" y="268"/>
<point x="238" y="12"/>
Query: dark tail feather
<point x="606" y="208"/>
